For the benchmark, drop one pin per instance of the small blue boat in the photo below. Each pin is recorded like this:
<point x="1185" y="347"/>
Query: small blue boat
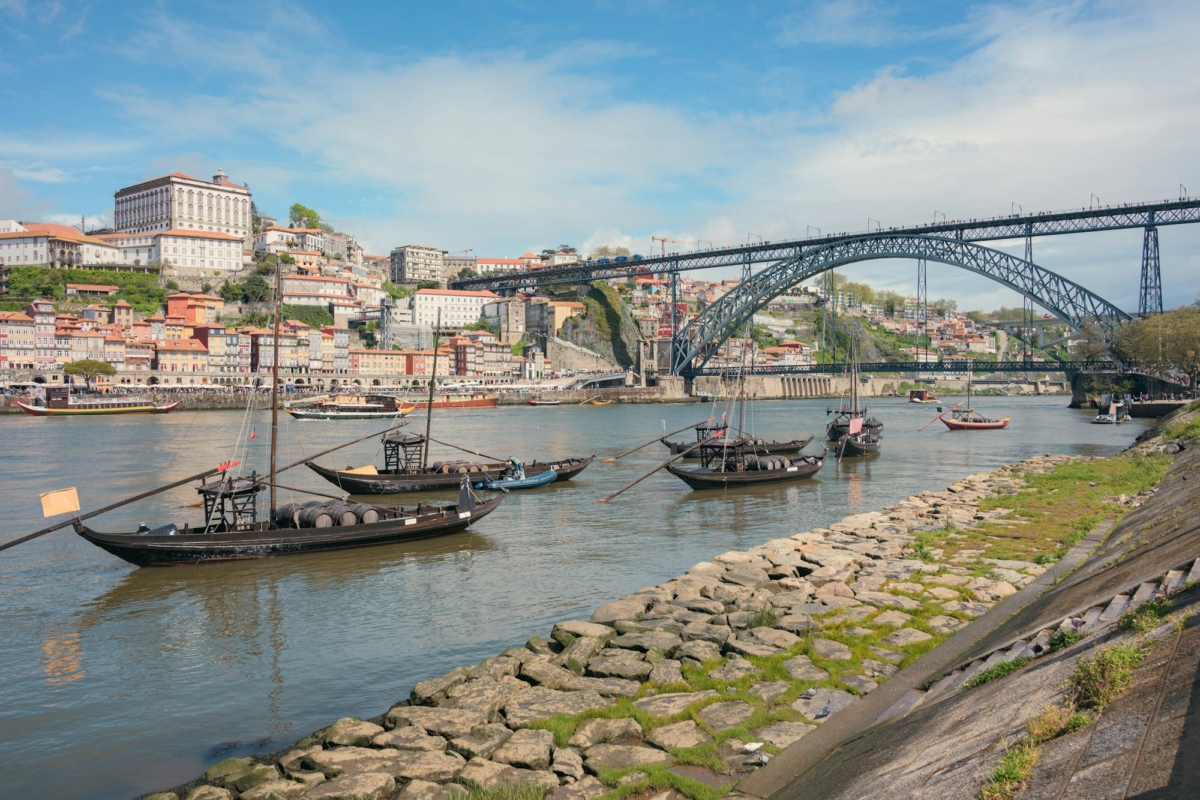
<point x="508" y="484"/>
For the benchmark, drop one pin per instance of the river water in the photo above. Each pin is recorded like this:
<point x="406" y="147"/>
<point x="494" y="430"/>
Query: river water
<point x="115" y="681"/>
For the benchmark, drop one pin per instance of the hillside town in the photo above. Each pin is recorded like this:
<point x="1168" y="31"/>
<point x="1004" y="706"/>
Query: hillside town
<point x="368" y="316"/>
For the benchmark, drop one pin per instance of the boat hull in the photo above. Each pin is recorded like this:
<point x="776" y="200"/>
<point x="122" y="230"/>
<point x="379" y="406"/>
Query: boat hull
<point x="197" y="548"/>
<point x="849" y="446"/>
<point x="388" y="483"/>
<point x="705" y="479"/>
<point x="302" y="414"/>
<point x="80" y="411"/>
<point x="991" y="425"/>
<point x="766" y="448"/>
<point x="544" y="402"/>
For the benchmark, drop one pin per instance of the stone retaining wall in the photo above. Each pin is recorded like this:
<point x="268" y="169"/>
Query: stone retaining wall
<point x="693" y="683"/>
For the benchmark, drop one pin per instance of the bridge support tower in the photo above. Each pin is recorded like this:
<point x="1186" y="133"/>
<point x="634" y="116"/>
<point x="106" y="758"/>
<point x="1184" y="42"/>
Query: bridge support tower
<point x="1150" y="294"/>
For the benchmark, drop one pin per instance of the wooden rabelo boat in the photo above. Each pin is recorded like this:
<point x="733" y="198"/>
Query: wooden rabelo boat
<point x="839" y="426"/>
<point x="861" y="437"/>
<point x="968" y="419"/>
<point x="738" y="465"/>
<point x="921" y="396"/>
<point x="231" y="528"/>
<point x="232" y="531"/>
<point x="404" y="470"/>
<point x="60" y="404"/>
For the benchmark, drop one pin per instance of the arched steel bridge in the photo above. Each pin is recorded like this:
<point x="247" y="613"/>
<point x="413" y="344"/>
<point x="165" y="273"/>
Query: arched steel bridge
<point x="1067" y="300"/>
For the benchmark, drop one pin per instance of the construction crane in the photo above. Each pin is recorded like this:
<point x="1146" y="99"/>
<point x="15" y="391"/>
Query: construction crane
<point x="664" y="240"/>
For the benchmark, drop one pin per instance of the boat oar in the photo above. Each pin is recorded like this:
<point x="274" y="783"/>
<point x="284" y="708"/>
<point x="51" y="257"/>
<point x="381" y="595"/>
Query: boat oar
<point x="306" y="491"/>
<point x="198" y="476"/>
<point x="939" y="416"/>
<point x="652" y="441"/>
<point x="660" y="466"/>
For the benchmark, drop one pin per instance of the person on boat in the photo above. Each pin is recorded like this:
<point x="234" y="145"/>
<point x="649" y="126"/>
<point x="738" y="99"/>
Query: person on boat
<point x="514" y="470"/>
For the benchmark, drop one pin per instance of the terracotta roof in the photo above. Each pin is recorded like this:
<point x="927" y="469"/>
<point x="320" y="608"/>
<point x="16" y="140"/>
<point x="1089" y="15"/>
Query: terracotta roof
<point x="228" y="237"/>
<point x="181" y="176"/>
<point x="121" y="304"/>
<point x="56" y="231"/>
<point x="182" y="344"/>
<point x="93" y="287"/>
<point x="14" y="316"/>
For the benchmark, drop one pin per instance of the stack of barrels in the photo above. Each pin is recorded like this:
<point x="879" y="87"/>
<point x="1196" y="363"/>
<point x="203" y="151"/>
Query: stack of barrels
<point x="759" y="463"/>
<point x="324" y="514"/>
<point x="463" y="467"/>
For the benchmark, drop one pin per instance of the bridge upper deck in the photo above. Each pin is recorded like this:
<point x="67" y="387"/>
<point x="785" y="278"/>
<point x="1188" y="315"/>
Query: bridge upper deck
<point x="1016" y="226"/>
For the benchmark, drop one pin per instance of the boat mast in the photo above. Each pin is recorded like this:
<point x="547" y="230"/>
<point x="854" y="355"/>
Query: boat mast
<point x="432" y="381"/>
<point x="275" y="375"/>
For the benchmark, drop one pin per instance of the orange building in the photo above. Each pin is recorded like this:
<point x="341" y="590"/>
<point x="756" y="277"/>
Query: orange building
<point x="196" y="309"/>
<point x="181" y="355"/>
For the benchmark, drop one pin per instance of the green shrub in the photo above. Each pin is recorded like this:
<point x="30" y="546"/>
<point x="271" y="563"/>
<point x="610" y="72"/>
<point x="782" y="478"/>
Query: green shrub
<point x="997" y="671"/>
<point x="1098" y="679"/>
<point x="1145" y="617"/>
<point x="1063" y="638"/>
<point x="1054" y="721"/>
<point x="1012" y="772"/>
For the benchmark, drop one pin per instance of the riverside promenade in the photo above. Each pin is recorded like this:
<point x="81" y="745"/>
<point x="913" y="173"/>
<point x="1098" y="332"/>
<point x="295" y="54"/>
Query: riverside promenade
<point x="686" y="687"/>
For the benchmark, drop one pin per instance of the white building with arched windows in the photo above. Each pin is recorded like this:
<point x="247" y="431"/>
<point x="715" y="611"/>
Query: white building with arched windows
<point x="180" y="202"/>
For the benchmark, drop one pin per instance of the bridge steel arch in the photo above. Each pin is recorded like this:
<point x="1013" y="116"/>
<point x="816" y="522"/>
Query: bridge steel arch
<point x="1065" y="299"/>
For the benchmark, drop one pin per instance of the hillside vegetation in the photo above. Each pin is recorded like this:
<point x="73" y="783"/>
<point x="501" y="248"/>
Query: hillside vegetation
<point x="140" y="290"/>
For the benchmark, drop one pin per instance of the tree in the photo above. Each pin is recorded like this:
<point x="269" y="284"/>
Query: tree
<point x="467" y="272"/>
<point x="303" y="217"/>
<point x="562" y="248"/>
<point x="1164" y="342"/>
<point x="428" y="285"/>
<point x="255" y="289"/>
<point x="89" y="369"/>
<point x="604" y="251"/>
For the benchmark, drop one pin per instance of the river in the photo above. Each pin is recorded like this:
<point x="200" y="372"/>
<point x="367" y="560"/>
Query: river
<point x="116" y="681"/>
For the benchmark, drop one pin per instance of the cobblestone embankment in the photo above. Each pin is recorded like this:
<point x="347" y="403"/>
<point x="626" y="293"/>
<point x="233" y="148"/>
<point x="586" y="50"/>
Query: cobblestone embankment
<point x="688" y="685"/>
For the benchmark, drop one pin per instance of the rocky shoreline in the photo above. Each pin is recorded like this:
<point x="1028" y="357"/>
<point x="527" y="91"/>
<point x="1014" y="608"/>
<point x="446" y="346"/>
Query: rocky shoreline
<point x="686" y="686"/>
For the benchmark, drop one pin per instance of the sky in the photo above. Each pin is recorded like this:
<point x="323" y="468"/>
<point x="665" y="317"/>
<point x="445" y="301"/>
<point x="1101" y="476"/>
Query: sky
<point x="516" y="125"/>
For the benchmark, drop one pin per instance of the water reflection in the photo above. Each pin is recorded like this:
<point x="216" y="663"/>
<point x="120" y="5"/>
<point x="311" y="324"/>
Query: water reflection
<point x="64" y="658"/>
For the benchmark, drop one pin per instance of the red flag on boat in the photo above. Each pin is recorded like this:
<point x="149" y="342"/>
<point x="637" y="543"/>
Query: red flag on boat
<point x="227" y="465"/>
<point x="252" y="432"/>
<point x="856" y="425"/>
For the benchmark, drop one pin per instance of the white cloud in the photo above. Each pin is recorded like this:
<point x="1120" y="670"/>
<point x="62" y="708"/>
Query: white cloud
<point x="14" y="198"/>
<point x="504" y="151"/>
<point x="91" y="221"/>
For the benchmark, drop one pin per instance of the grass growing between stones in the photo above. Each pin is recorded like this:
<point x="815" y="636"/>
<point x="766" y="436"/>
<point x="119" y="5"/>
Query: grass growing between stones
<point x="1054" y="511"/>
<point x="1012" y="772"/>
<point x="1063" y="638"/>
<point x="997" y="671"/>
<point x="476" y="792"/>
<point x="659" y="778"/>
<point x="1145" y="617"/>
<point x="1099" y="678"/>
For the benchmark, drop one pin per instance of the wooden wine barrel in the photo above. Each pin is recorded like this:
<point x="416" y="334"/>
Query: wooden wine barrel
<point x="366" y="514"/>
<point x="314" y="517"/>
<point x="342" y="514"/>
<point x="286" y="515"/>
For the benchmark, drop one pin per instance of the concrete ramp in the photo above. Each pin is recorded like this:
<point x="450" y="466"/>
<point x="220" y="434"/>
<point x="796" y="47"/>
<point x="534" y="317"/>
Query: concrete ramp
<point x="925" y="734"/>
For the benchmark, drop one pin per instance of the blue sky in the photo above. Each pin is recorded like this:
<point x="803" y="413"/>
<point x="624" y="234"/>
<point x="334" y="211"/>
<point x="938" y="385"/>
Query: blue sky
<point x="508" y="126"/>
